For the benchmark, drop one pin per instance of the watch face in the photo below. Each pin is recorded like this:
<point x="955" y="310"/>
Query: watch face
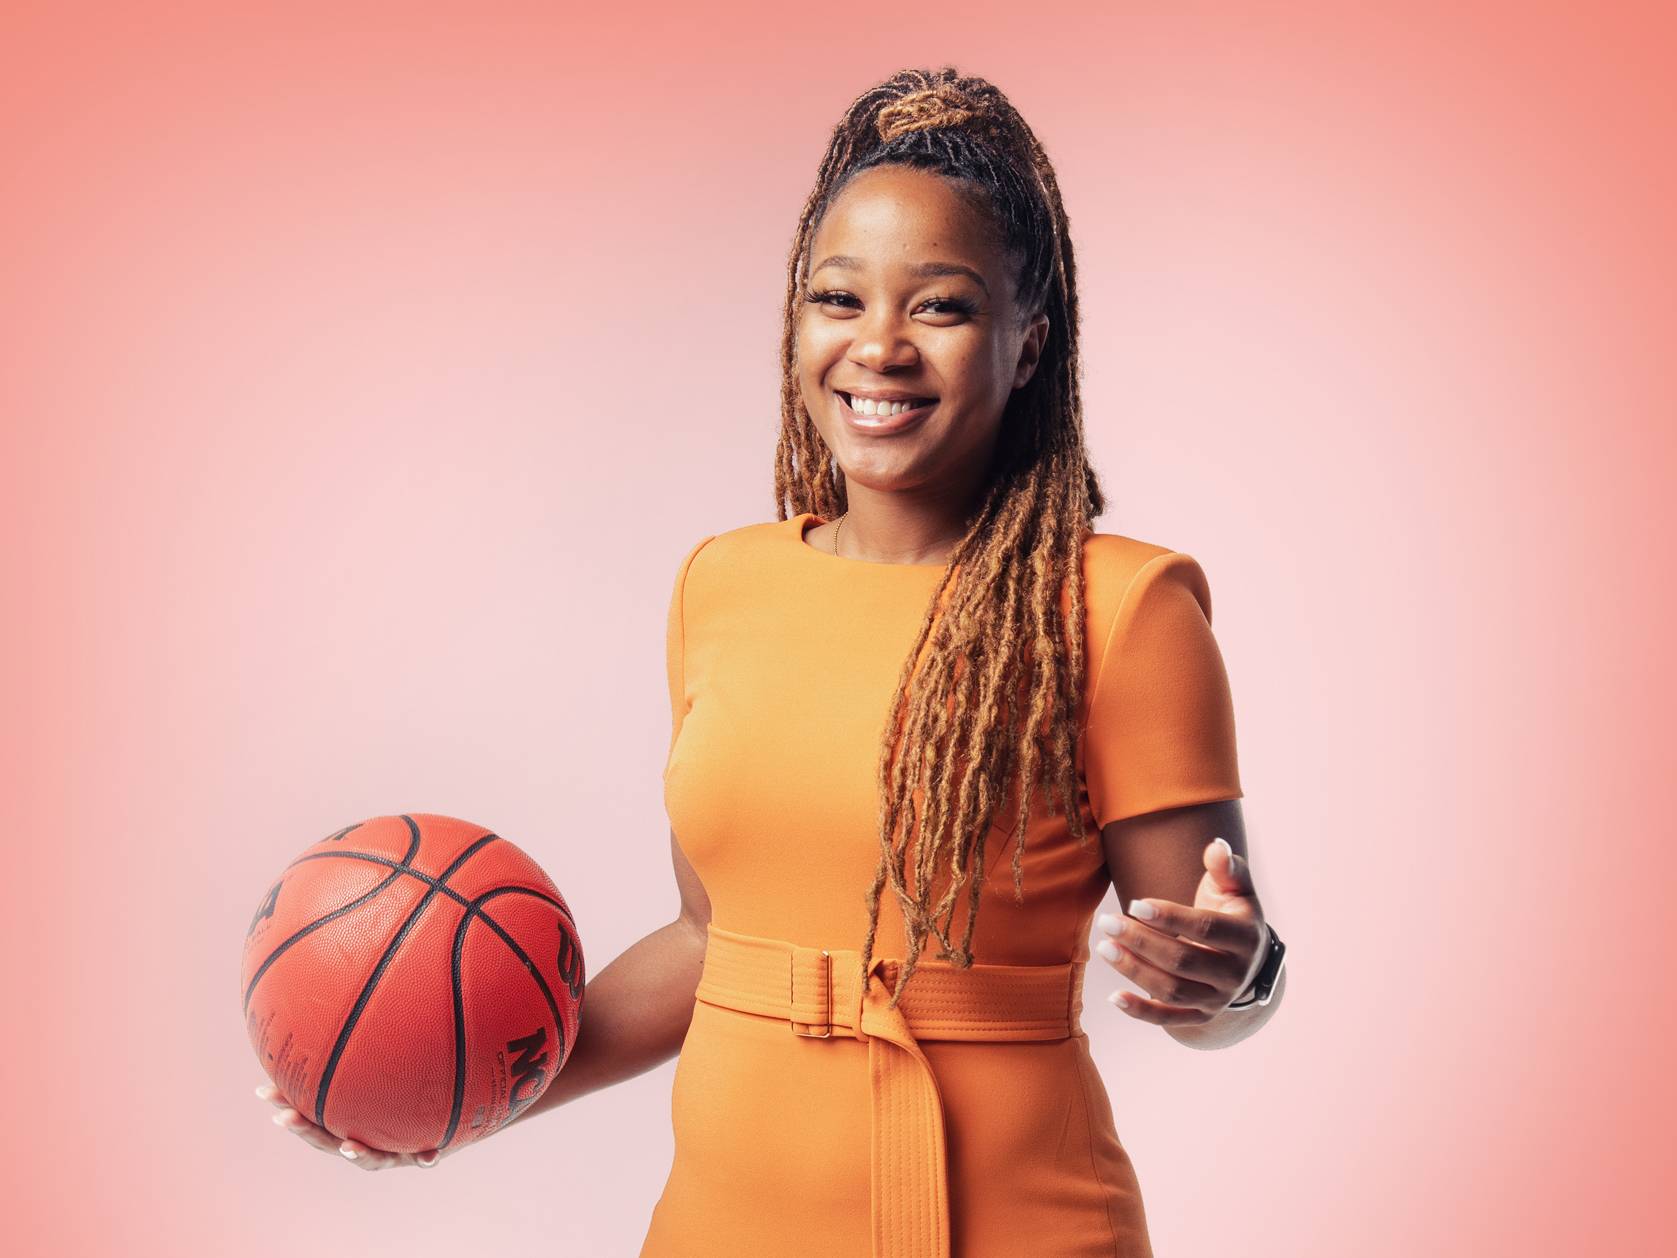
<point x="1272" y="967"/>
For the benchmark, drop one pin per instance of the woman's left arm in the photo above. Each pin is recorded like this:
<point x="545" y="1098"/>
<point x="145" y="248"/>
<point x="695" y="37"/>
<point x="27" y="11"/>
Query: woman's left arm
<point x="1205" y="941"/>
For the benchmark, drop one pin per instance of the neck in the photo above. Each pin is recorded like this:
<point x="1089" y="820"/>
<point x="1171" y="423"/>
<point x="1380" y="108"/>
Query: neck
<point x="913" y="528"/>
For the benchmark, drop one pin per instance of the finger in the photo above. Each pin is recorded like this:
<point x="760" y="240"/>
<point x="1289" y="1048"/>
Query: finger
<point x="1215" y="928"/>
<point x="1181" y="957"/>
<point x="367" y="1157"/>
<point x="1237" y="869"/>
<point x="1230" y="875"/>
<point x="1168" y="987"/>
<point x="1144" y="1010"/>
<point x="268" y="1092"/>
<point x="295" y="1123"/>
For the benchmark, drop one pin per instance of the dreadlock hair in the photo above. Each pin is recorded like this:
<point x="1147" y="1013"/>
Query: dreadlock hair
<point x="996" y="666"/>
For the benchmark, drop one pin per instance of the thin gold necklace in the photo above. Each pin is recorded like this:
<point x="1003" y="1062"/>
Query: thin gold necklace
<point x="840" y="524"/>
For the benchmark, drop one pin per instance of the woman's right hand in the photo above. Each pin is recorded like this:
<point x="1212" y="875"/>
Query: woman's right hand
<point x="364" y="1156"/>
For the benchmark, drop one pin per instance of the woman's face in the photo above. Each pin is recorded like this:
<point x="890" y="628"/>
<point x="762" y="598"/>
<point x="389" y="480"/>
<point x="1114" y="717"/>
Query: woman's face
<point x="909" y="297"/>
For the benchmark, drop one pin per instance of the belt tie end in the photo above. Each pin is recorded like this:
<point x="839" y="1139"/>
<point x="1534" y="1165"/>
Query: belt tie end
<point x="910" y="1166"/>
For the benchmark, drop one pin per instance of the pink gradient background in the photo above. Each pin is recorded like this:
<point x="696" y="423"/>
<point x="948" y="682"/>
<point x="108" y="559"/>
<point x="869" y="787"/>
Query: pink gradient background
<point x="367" y="370"/>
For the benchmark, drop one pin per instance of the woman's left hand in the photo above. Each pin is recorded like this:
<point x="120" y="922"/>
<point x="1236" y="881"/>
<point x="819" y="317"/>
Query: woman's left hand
<point x="1192" y="961"/>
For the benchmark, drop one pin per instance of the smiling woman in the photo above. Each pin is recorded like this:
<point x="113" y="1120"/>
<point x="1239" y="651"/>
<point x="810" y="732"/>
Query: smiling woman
<point x="911" y="322"/>
<point x="928" y="665"/>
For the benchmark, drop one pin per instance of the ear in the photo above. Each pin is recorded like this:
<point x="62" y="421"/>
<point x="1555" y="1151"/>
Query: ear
<point x="1030" y="352"/>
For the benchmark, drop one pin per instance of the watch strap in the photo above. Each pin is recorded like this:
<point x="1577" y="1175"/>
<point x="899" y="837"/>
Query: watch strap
<point x="1264" y="982"/>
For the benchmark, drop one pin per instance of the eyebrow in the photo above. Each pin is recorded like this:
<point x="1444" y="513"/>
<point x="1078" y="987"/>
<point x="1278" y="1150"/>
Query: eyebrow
<point x="923" y="270"/>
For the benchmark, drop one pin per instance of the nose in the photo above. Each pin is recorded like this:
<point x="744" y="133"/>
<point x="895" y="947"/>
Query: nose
<point x="880" y="343"/>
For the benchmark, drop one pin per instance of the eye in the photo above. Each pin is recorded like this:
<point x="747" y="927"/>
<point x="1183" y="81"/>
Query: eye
<point x="936" y="305"/>
<point x="821" y="296"/>
<point x="956" y="305"/>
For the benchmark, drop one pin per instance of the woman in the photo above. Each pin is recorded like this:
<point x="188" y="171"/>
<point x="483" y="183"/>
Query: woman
<point x="841" y="1090"/>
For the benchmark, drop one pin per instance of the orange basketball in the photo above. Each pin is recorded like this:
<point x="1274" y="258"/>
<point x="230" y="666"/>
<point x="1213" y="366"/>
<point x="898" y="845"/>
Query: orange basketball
<point x="412" y="982"/>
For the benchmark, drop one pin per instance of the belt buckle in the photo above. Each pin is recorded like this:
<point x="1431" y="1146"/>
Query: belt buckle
<point x="823" y="1029"/>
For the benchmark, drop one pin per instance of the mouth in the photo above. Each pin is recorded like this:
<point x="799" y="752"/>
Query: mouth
<point x="868" y="415"/>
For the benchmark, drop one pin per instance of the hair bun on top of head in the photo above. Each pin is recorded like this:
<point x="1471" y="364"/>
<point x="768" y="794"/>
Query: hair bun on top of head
<point x="940" y="105"/>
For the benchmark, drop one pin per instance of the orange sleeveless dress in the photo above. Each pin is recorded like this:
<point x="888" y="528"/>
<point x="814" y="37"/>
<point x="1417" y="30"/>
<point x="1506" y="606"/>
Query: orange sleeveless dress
<point x="782" y="662"/>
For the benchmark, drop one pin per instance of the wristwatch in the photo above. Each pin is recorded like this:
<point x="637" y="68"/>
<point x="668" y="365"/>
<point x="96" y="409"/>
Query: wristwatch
<point x="1268" y="973"/>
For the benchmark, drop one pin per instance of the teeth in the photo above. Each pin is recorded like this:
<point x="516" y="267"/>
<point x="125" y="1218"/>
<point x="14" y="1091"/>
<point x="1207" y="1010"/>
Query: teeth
<point x="867" y="406"/>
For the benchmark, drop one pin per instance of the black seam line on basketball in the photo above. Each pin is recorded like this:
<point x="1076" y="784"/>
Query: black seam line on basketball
<point x="474" y="910"/>
<point x="336" y="835"/>
<point x="413" y="847"/>
<point x="378" y="973"/>
<point x="426" y="878"/>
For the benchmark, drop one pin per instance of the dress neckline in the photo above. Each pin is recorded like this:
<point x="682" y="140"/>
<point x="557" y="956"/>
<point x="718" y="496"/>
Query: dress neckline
<point x="801" y="523"/>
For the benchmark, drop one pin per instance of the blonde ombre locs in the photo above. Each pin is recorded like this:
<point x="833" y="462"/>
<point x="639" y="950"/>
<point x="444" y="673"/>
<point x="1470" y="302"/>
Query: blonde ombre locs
<point x="993" y="678"/>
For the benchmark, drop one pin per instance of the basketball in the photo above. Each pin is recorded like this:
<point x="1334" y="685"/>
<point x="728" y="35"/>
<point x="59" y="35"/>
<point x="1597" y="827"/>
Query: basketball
<point x="412" y="982"/>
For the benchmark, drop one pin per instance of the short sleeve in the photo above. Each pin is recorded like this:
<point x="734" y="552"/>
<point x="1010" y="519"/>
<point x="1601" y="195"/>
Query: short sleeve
<point x="675" y="651"/>
<point x="1160" y="731"/>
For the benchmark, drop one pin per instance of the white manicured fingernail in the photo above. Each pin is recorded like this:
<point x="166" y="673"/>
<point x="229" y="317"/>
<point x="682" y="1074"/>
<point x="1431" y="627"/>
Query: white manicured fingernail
<point x="1226" y="848"/>
<point x="426" y="1161"/>
<point x="351" y="1154"/>
<point x="1142" y="909"/>
<point x="1107" y="949"/>
<point x="1109" y="923"/>
<point x="265" y="1092"/>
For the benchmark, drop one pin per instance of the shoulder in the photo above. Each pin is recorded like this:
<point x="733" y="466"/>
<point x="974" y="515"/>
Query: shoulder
<point x="1119" y="570"/>
<point x="710" y="561"/>
<point x="1116" y="558"/>
<point x="740" y="543"/>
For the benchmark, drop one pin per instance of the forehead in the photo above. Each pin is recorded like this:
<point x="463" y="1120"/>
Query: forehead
<point x="893" y="216"/>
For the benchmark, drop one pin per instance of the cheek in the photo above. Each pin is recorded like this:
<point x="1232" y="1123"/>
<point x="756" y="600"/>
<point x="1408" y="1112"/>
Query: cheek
<point x="978" y="387"/>
<point x="970" y="362"/>
<point x="812" y="359"/>
<point x="818" y="346"/>
<point x="968" y="377"/>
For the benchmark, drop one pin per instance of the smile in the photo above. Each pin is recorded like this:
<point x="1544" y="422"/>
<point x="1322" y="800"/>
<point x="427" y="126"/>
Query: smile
<point x="866" y="415"/>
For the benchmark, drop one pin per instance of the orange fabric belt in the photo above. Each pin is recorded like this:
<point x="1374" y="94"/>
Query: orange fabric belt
<point x="819" y="992"/>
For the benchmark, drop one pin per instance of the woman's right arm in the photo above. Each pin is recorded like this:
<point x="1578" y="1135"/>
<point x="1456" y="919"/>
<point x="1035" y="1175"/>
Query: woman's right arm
<point x="635" y="1015"/>
<point x="636" y="1010"/>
